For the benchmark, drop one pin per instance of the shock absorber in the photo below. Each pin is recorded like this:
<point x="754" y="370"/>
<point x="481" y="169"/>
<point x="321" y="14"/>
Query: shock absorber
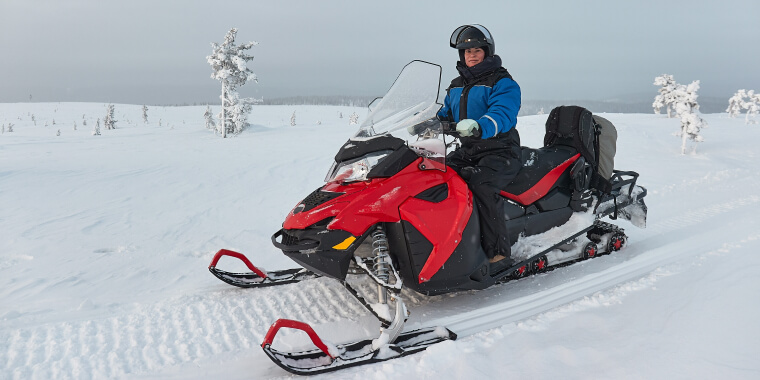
<point x="381" y="262"/>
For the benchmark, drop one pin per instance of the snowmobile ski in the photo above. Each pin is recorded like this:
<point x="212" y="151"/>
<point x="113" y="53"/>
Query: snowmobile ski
<point x="329" y="357"/>
<point x="257" y="277"/>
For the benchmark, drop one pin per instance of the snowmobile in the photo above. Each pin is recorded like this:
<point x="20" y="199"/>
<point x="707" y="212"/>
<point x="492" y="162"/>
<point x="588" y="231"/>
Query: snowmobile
<point x="392" y="212"/>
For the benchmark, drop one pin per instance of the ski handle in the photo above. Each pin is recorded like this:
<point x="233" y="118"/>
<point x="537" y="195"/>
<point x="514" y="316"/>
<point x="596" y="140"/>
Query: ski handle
<point x="289" y="323"/>
<point x="238" y="255"/>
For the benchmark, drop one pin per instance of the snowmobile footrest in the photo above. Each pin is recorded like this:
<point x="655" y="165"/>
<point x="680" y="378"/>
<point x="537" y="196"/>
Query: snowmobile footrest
<point x="257" y="277"/>
<point x="328" y="357"/>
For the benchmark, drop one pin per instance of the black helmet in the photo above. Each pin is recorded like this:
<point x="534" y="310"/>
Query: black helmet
<point x="472" y="36"/>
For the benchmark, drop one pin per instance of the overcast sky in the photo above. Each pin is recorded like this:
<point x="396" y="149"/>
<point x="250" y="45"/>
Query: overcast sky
<point x="154" y="51"/>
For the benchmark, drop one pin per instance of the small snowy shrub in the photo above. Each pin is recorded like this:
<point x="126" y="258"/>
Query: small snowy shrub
<point x="752" y="105"/>
<point x="209" y="116"/>
<point x="665" y="98"/>
<point x="109" y="122"/>
<point x="293" y="119"/>
<point x="735" y="103"/>
<point x="145" y="114"/>
<point x="96" y="130"/>
<point x="687" y="109"/>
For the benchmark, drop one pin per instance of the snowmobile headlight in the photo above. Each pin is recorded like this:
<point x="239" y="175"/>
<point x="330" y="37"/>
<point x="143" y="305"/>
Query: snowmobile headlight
<point x="355" y="170"/>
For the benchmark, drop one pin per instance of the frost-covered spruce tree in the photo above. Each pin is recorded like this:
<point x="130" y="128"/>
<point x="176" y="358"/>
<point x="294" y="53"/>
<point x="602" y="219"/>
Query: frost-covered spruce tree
<point x="109" y="122"/>
<point x="353" y="119"/>
<point x="145" y="114"/>
<point x="209" y="116"/>
<point x="229" y="64"/>
<point x="96" y="130"/>
<point x="293" y="119"/>
<point x="665" y="98"/>
<point x="687" y="109"/>
<point x="752" y="105"/>
<point x="10" y="127"/>
<point x="735" y="103"/>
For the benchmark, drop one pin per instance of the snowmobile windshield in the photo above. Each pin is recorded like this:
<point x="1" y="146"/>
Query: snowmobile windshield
<point x="407" y="113"/>
<point x="411" y="100"/>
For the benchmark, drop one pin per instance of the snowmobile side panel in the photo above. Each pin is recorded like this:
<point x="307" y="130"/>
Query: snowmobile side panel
<point x="543" y="186"/>
<point x="441" y="225"/>
<point x="466" y="268"/>
<point x="555" y="199"/>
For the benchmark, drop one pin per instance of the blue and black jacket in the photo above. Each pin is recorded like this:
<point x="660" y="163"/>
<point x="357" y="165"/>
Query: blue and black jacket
<point x="492" y="98"/>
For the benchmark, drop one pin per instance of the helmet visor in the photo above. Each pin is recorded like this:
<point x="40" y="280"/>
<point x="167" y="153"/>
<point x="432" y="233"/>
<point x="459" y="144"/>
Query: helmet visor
<point x="455" y="37"/>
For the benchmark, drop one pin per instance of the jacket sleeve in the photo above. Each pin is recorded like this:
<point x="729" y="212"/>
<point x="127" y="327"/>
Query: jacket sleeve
<point x="503" y="106"/>
<point x="443" y="113"/>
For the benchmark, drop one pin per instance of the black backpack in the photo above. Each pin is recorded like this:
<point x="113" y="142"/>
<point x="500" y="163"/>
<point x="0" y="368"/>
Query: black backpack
<point x="575" y="127"/>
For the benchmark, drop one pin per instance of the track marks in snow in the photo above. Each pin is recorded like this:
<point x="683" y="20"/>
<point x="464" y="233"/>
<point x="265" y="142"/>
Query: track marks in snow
<point x="168" y="334"/>
<point x="701" y="214"/>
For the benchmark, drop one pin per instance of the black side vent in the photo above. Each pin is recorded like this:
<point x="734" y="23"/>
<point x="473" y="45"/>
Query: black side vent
<point x="435" y="194"/>
<point x="318" y="197"/>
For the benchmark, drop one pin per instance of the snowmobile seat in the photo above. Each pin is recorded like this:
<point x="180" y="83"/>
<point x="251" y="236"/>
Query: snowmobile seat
<point x="543" y="169"/>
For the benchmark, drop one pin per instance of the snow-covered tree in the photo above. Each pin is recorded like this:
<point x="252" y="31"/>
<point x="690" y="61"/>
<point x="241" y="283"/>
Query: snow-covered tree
<point x="33" y="120"/>
<point x="735" y="103"/>
<point x="96" y="130"/>
<point x="10" y="127"/>
<point x="109" y="122"/>
<point x="58" y="133"/>
<point x="293" y="119"/>
<point x="84" y="122"/>
<point x="228" y="62"/>
<point x="687" y="109"/>
<point x="209" y="116"/>
<point x="3" y="128"/>
<point x="145" y="114"/>
<point x="75" y="125"/>
<point x="752" y="105"/>
<point x="340" y="115"/>
<point x="665" y="98"/>
<point x="541" y="111"/>
<point x="353" y="119"/>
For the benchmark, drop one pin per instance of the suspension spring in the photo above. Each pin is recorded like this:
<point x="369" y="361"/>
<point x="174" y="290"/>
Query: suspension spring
<point x="381" y="260"/>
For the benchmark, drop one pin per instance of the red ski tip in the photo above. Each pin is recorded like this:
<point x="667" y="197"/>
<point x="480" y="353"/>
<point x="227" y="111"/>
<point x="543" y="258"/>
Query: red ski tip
<point x="238" y="255"/>
<point x="289" y="323"/>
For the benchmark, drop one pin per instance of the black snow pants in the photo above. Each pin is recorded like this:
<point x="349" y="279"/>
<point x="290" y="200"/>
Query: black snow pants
<point x="488" y="166"/>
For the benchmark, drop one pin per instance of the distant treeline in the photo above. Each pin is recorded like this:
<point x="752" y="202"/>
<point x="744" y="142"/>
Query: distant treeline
<point x="532" y="107"/>
<point x="529" y="107"/>
<point x="350" y="101"/>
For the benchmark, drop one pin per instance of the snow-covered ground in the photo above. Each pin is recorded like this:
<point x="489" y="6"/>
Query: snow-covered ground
<point x="105" y="242"/>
